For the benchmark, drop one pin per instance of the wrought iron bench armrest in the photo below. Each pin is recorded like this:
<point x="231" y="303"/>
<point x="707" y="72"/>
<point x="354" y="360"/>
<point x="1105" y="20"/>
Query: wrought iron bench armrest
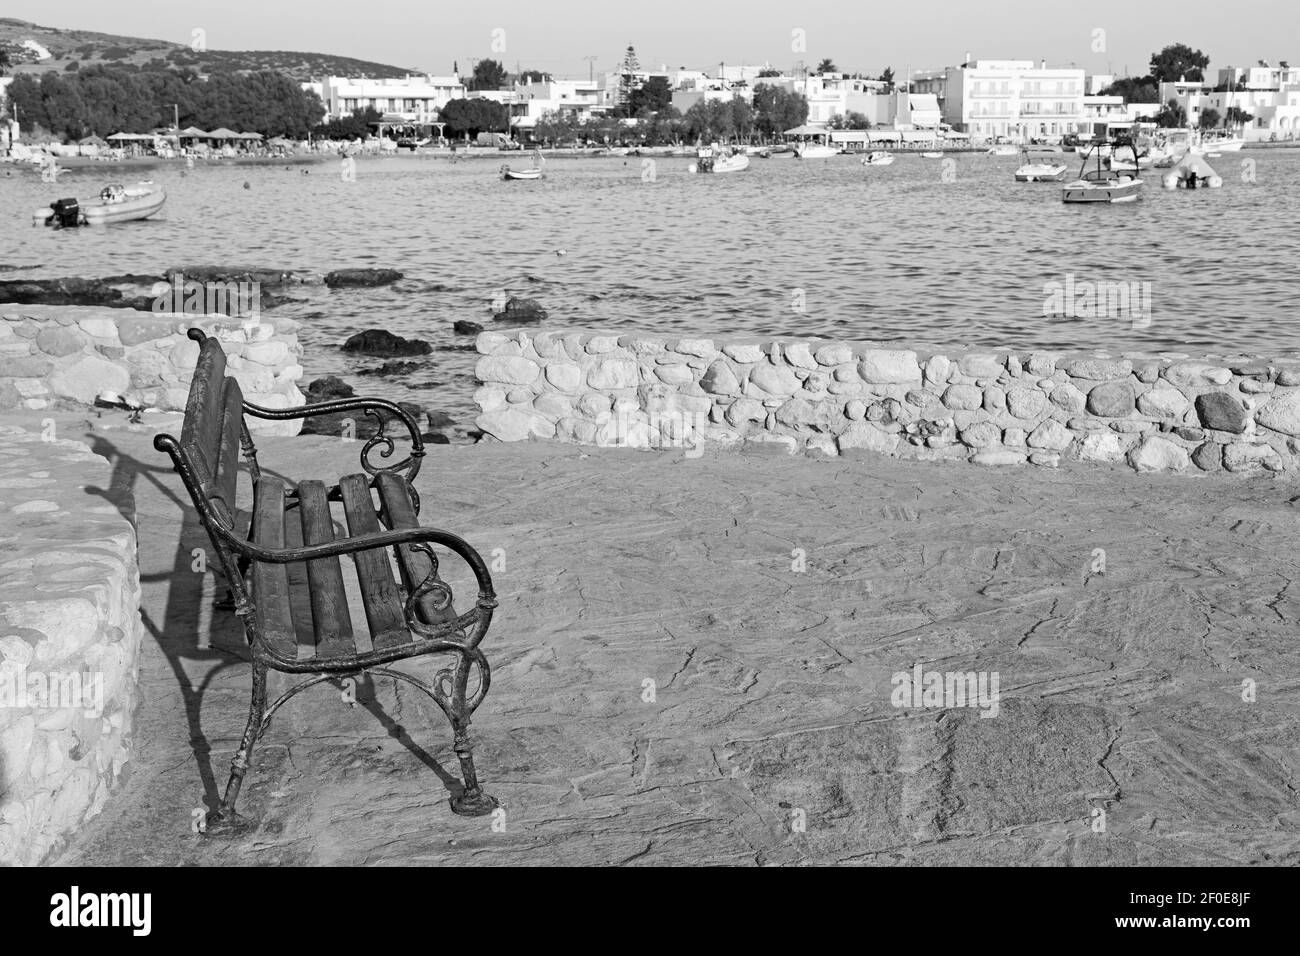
<point x="371" y="406"/>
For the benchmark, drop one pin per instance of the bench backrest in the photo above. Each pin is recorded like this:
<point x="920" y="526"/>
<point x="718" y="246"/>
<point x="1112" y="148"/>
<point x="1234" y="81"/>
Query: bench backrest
<point x="210" y="436"/>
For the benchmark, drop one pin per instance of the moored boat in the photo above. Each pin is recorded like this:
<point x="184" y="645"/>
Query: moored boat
<point x="1039" y="169"/>
<point x="712" y="159"/>
<point x="878" y="158"/>
<point x="1192" y="172"/>
<point x="532" y="172"/>
<point x="932" y="154"/>
<point x="815" y="151"/>
<point x="1004" y="149"/>
<point x="1102" y="185"/>
<point x="115" y="204"/>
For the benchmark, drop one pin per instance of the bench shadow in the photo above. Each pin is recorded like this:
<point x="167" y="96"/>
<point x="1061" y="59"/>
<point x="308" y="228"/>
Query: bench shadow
<point x="179" y="632"/>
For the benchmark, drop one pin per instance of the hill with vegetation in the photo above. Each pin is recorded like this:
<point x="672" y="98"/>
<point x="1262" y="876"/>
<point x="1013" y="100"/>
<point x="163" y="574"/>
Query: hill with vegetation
<point x="31" y="48"/>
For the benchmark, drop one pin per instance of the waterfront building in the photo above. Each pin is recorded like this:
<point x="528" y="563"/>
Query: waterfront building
<point x="1271" y="95"/>
<point x="1017" y="99"/>
<point x="415" y="98"/>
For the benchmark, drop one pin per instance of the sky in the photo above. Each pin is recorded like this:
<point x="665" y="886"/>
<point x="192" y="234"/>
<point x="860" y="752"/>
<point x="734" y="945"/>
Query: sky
<point x="1101" y="36"/>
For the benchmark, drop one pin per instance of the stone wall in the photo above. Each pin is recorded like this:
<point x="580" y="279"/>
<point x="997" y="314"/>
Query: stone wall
<point x="1164" y="412"/>
<point x="51" y="354"/>
<point x="70" y="633"/>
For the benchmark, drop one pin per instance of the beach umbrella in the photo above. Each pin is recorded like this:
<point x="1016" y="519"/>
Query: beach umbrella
<point x="223" y="133"/>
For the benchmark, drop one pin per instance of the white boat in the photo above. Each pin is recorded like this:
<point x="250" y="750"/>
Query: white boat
<point x="932" y="154"/>
<point x="1223" y="144"/>
<point x="815" y="151"/>
<point x="878" y="158"/>
<point x="1004" y="149"/>
<point x="762" y="152"/>
<point x="1101" y="185"/>
<point x="1040" y="170"/>
<point x="714" y="160"/>
<point x="1192" y="172"/>
<point x="533" y="172"/>
<point x="115" y="204"/>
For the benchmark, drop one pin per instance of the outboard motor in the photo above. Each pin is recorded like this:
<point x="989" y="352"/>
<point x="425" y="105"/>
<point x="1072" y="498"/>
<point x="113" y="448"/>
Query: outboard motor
<point x="67" y="213"/>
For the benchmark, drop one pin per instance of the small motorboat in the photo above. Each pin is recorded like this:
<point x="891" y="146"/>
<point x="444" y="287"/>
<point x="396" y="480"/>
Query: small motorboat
<point x="1101" y="184"/>
<point x="711" y="159"/>
<point x="815" y="151"/>
<point x="878" y="158"/>
<point x="533" y="172"/>
<point x="762" y="152"/>
<point x="116" y="203"/>
<point x="932" y="154"/>
<point x="1192" y="172"/>
<point x="1040" y="170"/>
<point x="1004" y="149"/>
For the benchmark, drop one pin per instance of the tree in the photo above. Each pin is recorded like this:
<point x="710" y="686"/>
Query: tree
<point x="1236" y="116"/>
<point x="1209" y="118"/>
<point x="887" y="77"/>
<point x="1134" y="89"/>
<point x="1171" y="115"/>
<point x="777" y="110"/>
<point x="827" y="66"/>
<point x="356" y="126"/>
<point x="471" y="117"/>
<point x="769" y="71"/>
<point x="5" y="62"/>
<point x="653" y="95"/>
<point x="533" y="76"/>
<point x="627" y="81"/>
<point x="1178" y="61"/>
<point x="850" y="120"/>
<point x="488" y="75"/>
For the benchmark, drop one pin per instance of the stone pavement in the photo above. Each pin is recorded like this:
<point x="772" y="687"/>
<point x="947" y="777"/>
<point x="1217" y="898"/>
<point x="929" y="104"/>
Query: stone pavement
<point x="768" y="735"/>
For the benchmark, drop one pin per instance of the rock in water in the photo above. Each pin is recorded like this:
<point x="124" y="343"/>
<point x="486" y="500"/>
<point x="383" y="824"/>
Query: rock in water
<point x="364" y="278"/>
<point x="69" y="291"/>
<point x="326" y="389"/>
<point x="521" y="310"/>
<point x="385" y="344"/>
<point x="466" y="327"/>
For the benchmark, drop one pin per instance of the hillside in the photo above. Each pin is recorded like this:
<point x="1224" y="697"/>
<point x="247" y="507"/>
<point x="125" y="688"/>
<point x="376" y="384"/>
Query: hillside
<point x="35" y="49"/>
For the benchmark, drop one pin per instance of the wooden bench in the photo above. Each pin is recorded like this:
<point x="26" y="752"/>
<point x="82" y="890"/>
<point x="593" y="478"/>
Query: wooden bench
<point x="300" y="623"/>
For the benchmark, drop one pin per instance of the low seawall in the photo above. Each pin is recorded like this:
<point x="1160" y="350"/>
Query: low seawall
<point x="71" y="354"/>
<point x="1156" y="413"/>
<point x="70" y="634"/>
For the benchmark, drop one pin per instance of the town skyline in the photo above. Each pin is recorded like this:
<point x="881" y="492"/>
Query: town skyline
<point x="867" y="40"/>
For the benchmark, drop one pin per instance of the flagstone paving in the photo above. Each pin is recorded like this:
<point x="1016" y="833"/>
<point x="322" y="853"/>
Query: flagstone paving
<point x="670" y="688"/>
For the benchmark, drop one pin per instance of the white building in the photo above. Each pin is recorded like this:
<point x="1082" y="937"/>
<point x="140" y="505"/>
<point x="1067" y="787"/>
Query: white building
<point x="1014" y="98"/>
<point x="1271" y="95"/>
<point x="416" y="98"/>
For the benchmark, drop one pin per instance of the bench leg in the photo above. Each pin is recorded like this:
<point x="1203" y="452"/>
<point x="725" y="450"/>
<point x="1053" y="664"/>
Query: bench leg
<point x="226" y="818"/>
<point x="472" y="802"/>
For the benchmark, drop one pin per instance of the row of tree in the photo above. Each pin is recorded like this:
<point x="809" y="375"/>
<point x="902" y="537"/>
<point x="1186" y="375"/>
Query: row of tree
<point x="774" y="110"/>
<point x="103" y="100"/>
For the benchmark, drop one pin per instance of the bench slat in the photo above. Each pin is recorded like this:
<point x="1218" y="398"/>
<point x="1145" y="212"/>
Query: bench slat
<point x="201" y="429"/>
<point x="329" y="602"/>
<point x="379" y="591"/>
<point x="225" y="480"/>
<point x="413" y="565"/>
<point x="271" y="581"/>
